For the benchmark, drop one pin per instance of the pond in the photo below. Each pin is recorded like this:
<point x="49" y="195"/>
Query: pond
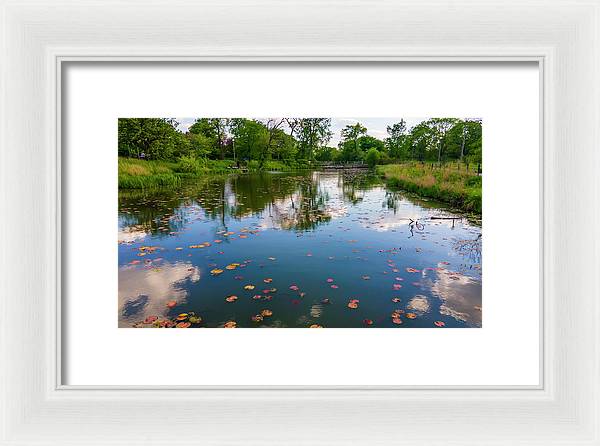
<point x="301" y="249"/>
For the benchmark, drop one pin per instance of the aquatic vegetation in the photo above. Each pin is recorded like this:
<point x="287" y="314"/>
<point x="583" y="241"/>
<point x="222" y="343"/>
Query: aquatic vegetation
<point x="353" y="303"/>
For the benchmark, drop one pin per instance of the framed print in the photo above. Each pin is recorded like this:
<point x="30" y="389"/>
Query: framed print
<point x="416" y="181"/>
<point x="325" y="243"/>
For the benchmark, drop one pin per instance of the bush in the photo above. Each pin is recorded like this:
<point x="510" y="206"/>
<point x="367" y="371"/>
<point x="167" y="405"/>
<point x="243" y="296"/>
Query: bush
<point x="190" y="165"/>
<point x="372" y="157"/>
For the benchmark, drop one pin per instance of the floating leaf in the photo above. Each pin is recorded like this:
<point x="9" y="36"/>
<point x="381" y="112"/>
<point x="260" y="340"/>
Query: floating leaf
<point x="182" y="317"/>
<point x="335" y="287"/>
<point x="396" y="299"/>
<point x="195" y="319"/>
<point x="230" y="324"/>
<point x="150" y="319"/>
<point x="249" y="287"/>
<point x="266" y="313"/>
<point x="367" y="322"/>
<point x="412" y="270"/>
<point x="216" y="271"/>
<point x="353" y="303"/>
<point x="183" y="325"/>
<point x="257" y="318"/>
<point x="294" y="287"/>
<point x="397" y="320"/>
<point x="330" y="280"/>
<point x="316" y="326"/>
<point x="257" y="296"/>
<point x="411" y="315"/>
<point x="231" y="298"/>
<point x="396" y="286"/>
<point x="439" y="323"/>
<point x="268" y="280"/>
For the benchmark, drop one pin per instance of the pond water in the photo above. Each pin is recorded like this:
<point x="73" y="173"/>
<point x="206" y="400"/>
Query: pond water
<point x="329" y="249"/>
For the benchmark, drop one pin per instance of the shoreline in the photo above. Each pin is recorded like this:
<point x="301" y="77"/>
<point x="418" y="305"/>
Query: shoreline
<point x="456" y="188"/>
<point x="460" y="190"/>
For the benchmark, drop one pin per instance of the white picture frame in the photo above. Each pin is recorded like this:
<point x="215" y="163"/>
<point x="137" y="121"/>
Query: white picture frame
<point x="37" y="38"/>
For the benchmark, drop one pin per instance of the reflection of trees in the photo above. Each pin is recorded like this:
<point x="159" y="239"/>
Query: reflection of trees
<point x="296" y="201"/>
<point x="153" y="211"/>
<point x="471" y="249"/>
<point x="292" y="201"/>
<point x="394" y="199"/>
<point x="355" y="184"/>
<point x="305" y="209"/>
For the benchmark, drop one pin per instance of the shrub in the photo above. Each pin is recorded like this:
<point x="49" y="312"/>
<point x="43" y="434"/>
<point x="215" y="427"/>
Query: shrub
<point x="372" y="157"/>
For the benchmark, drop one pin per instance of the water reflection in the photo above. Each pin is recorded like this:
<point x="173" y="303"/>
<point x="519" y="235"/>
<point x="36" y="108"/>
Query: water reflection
<point x="460" y="295"/>
<point x="313" y="237"/>
<point x="145" y="291"/>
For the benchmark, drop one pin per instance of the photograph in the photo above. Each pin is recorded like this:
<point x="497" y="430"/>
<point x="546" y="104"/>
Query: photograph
<point x="334" y="222"/>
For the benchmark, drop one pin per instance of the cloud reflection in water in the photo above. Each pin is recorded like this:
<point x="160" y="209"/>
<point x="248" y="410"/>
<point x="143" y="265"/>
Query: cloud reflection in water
<point x="145" y="291"/>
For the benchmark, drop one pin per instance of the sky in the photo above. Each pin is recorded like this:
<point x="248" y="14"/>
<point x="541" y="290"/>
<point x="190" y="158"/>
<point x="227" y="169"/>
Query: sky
<point x="376" y="127"/>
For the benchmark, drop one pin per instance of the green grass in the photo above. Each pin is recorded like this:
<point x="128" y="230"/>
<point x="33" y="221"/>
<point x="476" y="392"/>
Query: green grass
<point x="142" y="174"/>
<point x="457" y="187"/>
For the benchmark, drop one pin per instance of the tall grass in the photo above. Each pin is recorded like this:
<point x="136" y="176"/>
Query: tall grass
<point x="141" y="174"/>
<point x="451" y="185"/>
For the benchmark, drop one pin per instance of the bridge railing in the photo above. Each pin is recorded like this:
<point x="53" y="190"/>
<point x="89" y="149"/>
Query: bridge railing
<point x="339" y="165"/>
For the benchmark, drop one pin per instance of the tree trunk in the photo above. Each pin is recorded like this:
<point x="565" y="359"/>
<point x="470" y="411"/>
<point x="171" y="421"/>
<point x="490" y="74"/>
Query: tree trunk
<point x="462" y="146"/>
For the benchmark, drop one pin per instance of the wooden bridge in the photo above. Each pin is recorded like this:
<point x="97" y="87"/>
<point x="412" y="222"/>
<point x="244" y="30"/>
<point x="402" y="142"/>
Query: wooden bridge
<point x="341" y="166"/>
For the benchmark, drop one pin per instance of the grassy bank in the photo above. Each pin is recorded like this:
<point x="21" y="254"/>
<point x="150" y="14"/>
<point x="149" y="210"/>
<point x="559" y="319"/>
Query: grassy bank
<point x="140" y="174"/>
<point x="450" y="185"/>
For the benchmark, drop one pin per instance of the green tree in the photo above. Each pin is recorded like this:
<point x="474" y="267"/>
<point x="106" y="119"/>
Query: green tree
<point x="439" y="129"/>
<point x="215" y="130"/>
<point x="397" y="140"/>
<point x="251" y="138"/>
<point x="311" y="134"/>
<point x="349" y="145"/>
<point x="273" y="126"/>
<point x="326" y="153"/>
<point x="368" y="142"/>
<point x="283" y="146"/>
<point x="151" y="138"/>
<point x="419" y="139"/>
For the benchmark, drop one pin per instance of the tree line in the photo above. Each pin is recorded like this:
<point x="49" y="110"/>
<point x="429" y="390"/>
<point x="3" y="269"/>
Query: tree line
<point x="436" y="140"/>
